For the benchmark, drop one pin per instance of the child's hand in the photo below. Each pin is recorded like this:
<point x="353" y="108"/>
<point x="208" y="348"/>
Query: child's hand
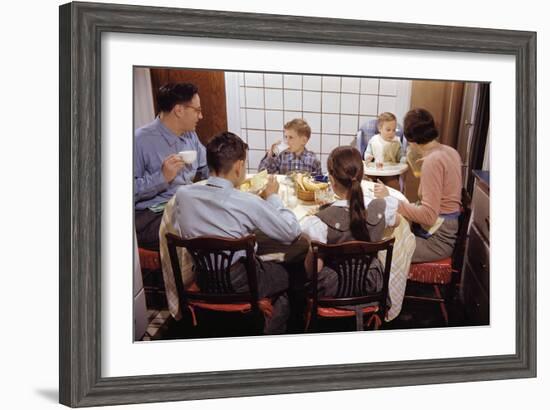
<point x="368" y="158"/>
<point x="380" y="190"/>
<point x="271" y="152"/>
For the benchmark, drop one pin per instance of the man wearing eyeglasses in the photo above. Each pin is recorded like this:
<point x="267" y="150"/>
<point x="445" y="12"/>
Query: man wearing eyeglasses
<point x="159" y="169"/>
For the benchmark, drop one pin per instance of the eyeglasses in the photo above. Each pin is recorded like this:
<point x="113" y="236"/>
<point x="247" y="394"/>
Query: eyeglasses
<point x="198" y="110"/>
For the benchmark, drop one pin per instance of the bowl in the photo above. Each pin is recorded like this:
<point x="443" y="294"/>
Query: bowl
<point x="308" y="196"/>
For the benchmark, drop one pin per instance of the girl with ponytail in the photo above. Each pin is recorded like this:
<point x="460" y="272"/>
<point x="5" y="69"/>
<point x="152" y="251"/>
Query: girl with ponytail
<point x="352" y="217"/>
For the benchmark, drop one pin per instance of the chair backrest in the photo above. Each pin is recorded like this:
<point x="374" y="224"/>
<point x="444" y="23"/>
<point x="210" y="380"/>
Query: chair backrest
<point x="370" y="129"/>
<point x="213" y="259"/>
<point x="351" y="261"/>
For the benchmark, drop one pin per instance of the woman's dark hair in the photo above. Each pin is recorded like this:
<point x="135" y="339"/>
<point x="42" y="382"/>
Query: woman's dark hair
<point x="171" y="94"/>
<point x="419" y="126"/>
<point x="346" y="166"/>
<point x="223" y="151"/>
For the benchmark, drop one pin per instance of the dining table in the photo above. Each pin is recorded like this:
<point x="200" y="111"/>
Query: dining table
<point x="269" y="250"/>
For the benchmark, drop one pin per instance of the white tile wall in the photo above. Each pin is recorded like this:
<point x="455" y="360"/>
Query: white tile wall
<point x="312" y="101"/>
<point x="273" y="80"/>
<point x="254" y="97"/>
<point x="368" y="105"/>
<point x="314" y="143"/>
<point x="324" y="162"/>
<point x="292" y="81"/>
<point x="293" y="100"/>
<point x="329" y="142"/>
<point x="273" y="99"/>
<point x="256" y="139"/>
<point x="274" y="120"/>
<point x="290" y="115"/>
<point x="331" y="102"/>
<point x="253" y="80"/>
<point x="243" y="118"/>
<point x="388" y="87"/>
<point x="349" y="104"/>
<point x="331" y="84"/>
<point x="255" y="119"/>
<point x="369" y="85"/>
<point x="349" y="124"/>
<point x="330" y="123"/>
<point x="350" y="85"/>
<point x="242" y="96"/>
<point x="334" y="107"/>
<point x="312" y="82"/>
<point x="387" y="104"/>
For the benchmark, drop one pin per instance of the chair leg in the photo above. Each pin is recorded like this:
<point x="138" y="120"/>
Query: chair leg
<point x="374" y="318"/>
<point x="442" y="306"/>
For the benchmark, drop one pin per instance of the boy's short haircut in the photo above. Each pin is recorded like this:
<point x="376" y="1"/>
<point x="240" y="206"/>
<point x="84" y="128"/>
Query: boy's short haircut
<point x="385" y="117"/>
<point x="224" y="150"/>
<point x="300" y="126"/>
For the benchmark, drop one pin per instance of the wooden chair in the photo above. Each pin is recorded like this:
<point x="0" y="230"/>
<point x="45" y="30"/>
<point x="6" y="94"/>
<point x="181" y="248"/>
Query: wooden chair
<point x="351" y="262"/>
<point x="153" y="282"/>
<point x="444" y="273"/>
<point x="212" y="289"/>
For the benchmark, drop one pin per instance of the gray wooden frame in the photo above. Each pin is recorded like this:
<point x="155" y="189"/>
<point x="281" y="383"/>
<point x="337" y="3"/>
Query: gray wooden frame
<point x="81" y="26"/>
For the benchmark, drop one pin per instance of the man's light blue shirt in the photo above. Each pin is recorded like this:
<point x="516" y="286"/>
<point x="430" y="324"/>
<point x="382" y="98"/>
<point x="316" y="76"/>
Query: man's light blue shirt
<point x="152" y="144"/>
<point x="219" y="209"/>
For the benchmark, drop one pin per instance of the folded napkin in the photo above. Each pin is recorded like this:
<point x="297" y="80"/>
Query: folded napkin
<point x="158" y="207"/>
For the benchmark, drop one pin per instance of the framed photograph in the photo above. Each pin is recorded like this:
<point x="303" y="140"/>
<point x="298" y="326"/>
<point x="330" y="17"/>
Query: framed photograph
<point x="102" y="50"/>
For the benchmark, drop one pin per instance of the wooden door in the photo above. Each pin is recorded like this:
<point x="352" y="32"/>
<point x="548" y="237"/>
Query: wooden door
<point x="211" y="85"/>
<point x="443" y="99"/>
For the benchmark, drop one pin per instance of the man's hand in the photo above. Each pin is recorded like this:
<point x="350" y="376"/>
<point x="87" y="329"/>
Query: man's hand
<point x="171" y="165"/>
<point x="272" y="187"/>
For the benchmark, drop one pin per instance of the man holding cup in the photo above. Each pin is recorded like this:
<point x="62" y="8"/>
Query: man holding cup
<point x="167" y="154"/>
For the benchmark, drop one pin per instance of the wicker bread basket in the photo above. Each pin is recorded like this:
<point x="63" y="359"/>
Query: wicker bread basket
<point x="308" y="196"/>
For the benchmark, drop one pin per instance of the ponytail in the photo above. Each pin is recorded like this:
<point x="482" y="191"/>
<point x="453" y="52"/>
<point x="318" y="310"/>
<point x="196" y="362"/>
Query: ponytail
<point x="357" y="212"/>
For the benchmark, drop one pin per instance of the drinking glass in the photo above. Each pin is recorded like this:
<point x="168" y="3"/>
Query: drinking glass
<point x="324" y="196"/>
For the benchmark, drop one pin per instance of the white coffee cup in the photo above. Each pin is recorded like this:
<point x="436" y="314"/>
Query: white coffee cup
<point x="188" y="156"/>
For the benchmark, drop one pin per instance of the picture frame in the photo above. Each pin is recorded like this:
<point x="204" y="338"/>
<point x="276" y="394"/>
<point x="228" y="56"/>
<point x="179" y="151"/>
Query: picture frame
<point x="81" y="27"/>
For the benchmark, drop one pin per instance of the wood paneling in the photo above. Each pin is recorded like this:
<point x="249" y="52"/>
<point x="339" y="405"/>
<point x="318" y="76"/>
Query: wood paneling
<point x="211" y="85"/>
<point x="443" y="99"/>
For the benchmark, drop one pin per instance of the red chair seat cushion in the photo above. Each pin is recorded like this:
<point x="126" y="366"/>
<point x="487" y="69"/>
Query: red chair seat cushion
<point x="436" y="272"/>
<point x="264" y="304"/>
<point x="223" y="307"/>
<point x="335" y="312"/>
<point x="149" y="260"/>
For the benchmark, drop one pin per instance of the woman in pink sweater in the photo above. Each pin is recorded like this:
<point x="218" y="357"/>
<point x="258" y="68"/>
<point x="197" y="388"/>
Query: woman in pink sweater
<point x="435" y="217"/>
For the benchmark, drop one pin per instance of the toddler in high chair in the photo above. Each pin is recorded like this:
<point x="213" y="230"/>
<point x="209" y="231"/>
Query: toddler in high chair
<point x="385" y="147"/>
